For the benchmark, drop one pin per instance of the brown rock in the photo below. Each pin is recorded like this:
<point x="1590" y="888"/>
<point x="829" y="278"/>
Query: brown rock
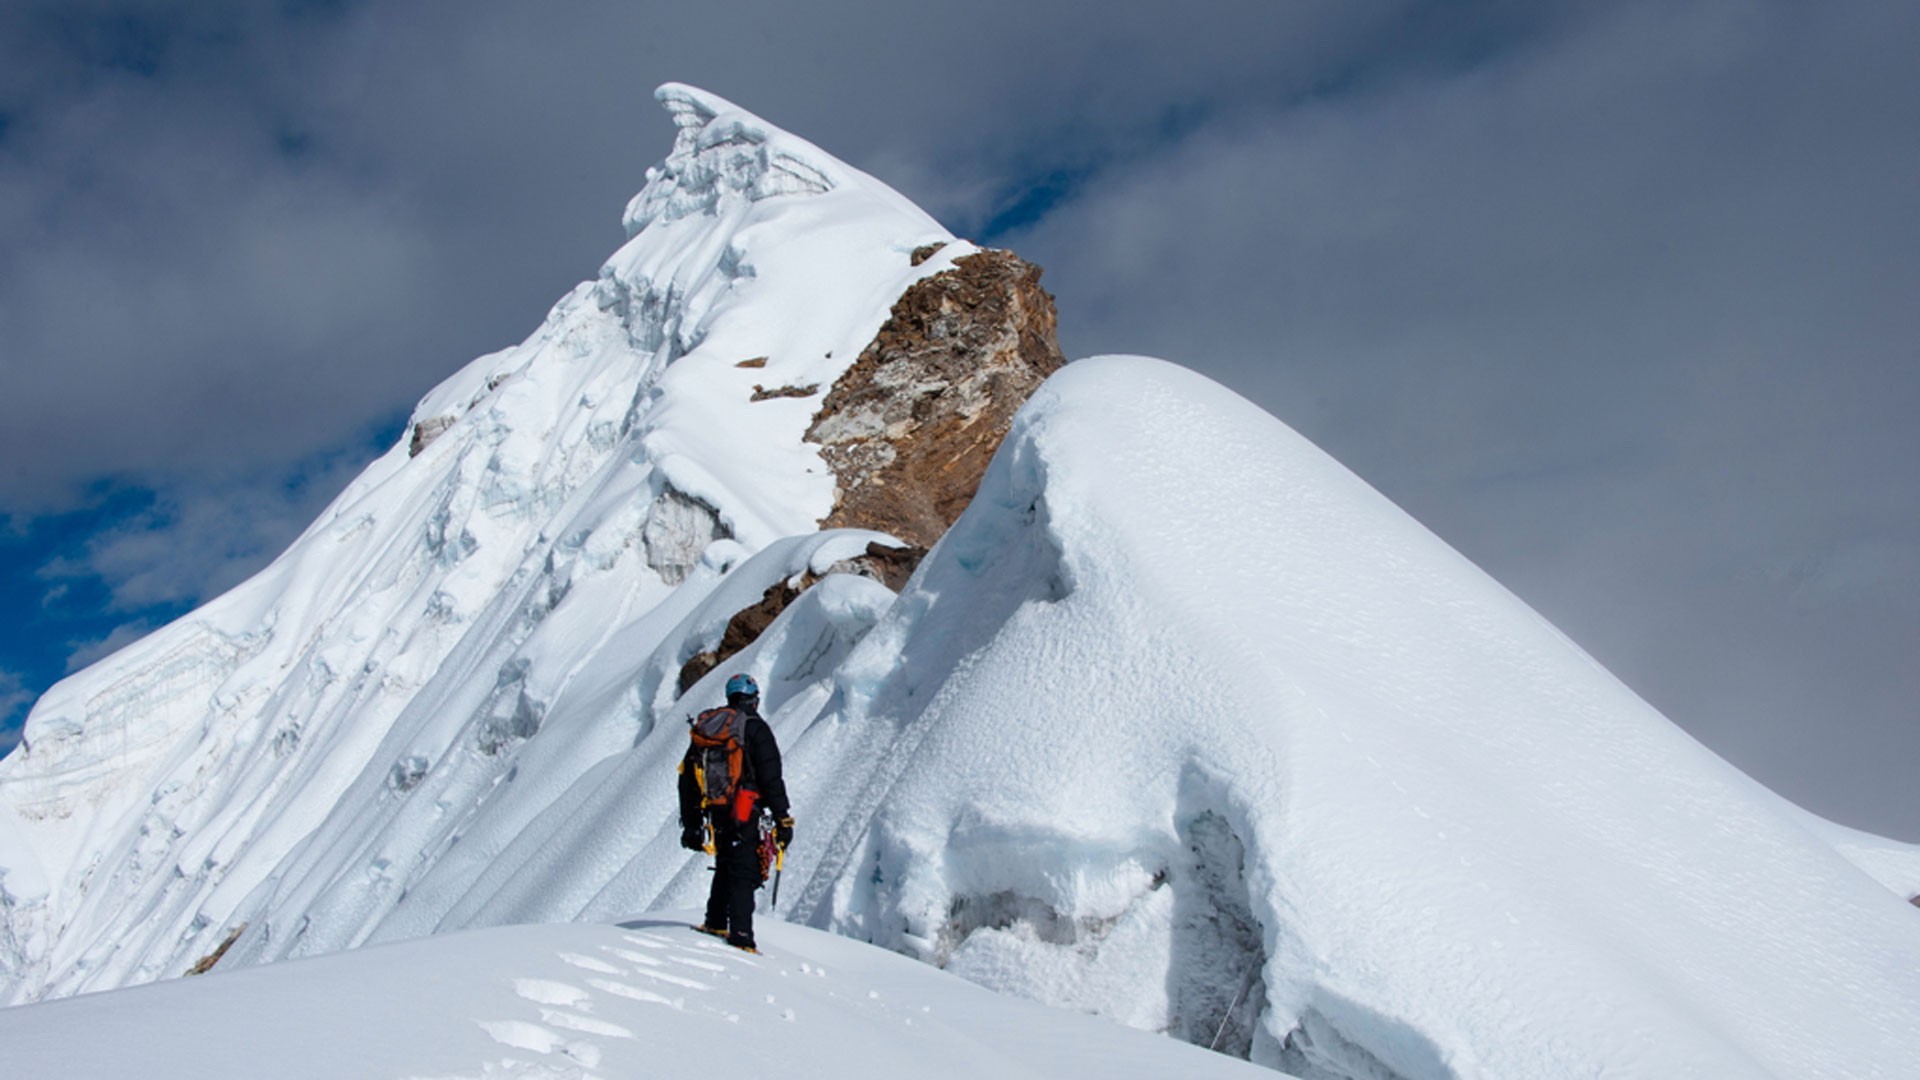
<point x="761" y="393"/>
<point x="909" y="428"/>
<point x="205" y="963"/>
<point x="756" y="362"/>
<point x="924" y="252"/>
<point x="890" y="566"/>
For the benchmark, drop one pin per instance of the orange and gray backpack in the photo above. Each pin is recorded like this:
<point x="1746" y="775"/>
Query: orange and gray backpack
<point x="718" y="759"/>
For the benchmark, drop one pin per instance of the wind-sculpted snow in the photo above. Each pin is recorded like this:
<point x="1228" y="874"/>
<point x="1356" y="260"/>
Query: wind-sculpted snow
<point x="1180" y="698"/>
<point x="1308" y="788"/>
<point x="324" y="734"/>
<point x="1295" y="781"/>
<point x="1181" y="723"/>
<point x="646" y="998"/>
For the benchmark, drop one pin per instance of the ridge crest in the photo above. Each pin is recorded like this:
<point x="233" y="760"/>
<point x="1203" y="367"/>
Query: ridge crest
<point x="724" y="155"/>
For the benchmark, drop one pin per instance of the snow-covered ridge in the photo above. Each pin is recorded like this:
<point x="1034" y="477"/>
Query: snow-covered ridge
<point x="1302" y="778"/>
<point x="1296" y="780"/>
<point x="547" y="497"/>
<point x="721" y="152"/>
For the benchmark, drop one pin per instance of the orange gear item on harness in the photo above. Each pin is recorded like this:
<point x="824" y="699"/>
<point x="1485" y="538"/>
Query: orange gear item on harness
<point x="744" y="801"/>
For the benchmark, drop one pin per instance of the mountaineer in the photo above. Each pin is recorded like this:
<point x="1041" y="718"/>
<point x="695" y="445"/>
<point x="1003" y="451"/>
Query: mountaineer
<point x="733" y="805"/>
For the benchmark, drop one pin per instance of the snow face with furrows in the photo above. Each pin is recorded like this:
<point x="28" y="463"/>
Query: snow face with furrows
<point x="418" y="630"/>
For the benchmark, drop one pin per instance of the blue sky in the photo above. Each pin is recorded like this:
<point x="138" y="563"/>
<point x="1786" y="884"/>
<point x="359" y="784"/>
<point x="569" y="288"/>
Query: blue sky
<point x="52" y="623"/>
<point x="1615" y="298"/>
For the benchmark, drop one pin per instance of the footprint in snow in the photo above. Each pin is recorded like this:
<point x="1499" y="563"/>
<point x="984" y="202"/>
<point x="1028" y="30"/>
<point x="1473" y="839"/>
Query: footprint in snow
<point x="588" y="963"/>
<point x="549" y="992"/>
<point x="630" y="956"/>
<point x="566" y="1031"/>
<point x="703" y="965"/>
<point x="585" y="1025"/>
<point x="525" y="1035"/>
<point x="668" y="977"/>
<point x="635" y="993"/>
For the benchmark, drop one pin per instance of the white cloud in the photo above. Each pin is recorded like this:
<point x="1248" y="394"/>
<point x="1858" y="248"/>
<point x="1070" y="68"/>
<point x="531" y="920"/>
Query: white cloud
<point x="14" y="700"/>
<point x="86" y="652"/>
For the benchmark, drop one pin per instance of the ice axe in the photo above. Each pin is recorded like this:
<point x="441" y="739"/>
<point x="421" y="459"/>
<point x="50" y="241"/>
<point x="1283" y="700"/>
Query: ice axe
<point x="772" y="853"/>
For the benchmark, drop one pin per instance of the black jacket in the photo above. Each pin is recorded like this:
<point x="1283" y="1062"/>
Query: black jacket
<point x="761" y="766"/>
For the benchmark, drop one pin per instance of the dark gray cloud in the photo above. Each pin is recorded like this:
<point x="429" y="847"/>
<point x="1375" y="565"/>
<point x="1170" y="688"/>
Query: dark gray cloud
<point x="1614" y="297"/>
<point x="1625" y="313"/>
<point x="232" y="234"/>
<point x="193" y="541"/>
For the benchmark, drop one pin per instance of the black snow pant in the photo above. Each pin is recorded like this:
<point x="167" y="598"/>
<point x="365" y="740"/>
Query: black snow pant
<point x="735" y="877"/>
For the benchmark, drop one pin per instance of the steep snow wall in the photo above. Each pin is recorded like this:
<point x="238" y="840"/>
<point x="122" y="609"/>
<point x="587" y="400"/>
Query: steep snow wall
<point x="1183" y="723"/>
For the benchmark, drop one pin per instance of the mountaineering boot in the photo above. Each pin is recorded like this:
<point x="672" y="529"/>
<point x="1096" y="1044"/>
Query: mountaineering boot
<point x="744" y="944"/>
<point x="709" y="930"/>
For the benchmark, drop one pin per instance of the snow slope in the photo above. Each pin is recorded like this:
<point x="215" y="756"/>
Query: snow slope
<point x="1181" y="723"/>
<point x="645" y="998"/>
<point x="1180" y="694"/>
<point x="404" y="648"/>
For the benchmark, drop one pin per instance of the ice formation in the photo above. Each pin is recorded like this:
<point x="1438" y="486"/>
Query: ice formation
<point x="557" y="506"/>
<point x="1181" y="723"/>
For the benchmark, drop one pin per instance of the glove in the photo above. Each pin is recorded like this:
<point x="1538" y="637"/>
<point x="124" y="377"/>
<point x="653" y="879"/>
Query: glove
<point x="783" y="832"/>
<point x="693" y="838"/>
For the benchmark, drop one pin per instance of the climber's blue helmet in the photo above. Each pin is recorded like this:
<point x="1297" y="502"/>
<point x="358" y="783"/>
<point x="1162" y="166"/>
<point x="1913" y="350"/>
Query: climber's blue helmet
<point x="742" y="686"/>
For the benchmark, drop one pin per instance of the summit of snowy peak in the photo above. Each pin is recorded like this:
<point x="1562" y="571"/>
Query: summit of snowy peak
<point x="724" y="154"/>
<point x="515" y="589"/>
<point x="734" y="201"/>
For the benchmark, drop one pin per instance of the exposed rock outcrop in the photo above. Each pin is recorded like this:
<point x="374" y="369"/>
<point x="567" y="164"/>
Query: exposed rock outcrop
<point x="761" y="393"/>
<point x="426" y="431"/>
<point x="205" y="963"/>
<point x="909" y="428"/>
